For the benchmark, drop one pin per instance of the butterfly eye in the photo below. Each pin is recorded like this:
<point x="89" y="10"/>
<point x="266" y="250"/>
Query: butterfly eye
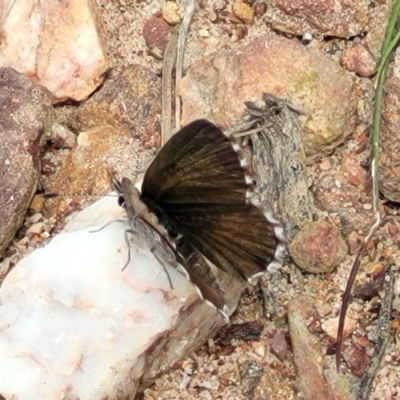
<point x="121" y="201"/>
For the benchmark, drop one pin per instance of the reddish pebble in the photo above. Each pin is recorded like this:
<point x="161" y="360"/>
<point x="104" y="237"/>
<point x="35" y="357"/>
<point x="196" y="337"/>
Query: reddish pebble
<point x="155" y="32"/>
<point x="356" y="359"/>
<point x="354" y="242"/>
<point x="358" y="59"/>
<point x="279" y="345"/>
<point x="325" y="164"/>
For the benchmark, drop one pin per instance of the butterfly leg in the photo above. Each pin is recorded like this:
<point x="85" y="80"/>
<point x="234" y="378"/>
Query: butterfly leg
<point x="202" y="276"/>
<point x="107" y="224"/>
<point x="159" y="259"/>
<point x="129" y="247"/>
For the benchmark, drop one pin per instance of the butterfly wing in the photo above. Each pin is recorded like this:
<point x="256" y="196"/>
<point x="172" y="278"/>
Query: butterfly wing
<point x="197" y="188"/>
<point x="237" y="239"/>
<point x="197" y="165"/>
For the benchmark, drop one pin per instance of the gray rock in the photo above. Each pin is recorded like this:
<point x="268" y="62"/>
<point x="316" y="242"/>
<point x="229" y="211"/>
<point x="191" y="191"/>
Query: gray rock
<point x="316" y="379"/>
<point x="389" y="166"/>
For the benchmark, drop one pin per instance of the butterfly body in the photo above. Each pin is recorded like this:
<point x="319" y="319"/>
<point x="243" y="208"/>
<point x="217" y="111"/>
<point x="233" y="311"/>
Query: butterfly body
<point x="197" y="188"/>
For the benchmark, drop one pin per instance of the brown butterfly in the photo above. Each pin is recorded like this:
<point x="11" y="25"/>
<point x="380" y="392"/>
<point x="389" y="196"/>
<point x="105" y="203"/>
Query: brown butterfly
<point x="197" y="189"/>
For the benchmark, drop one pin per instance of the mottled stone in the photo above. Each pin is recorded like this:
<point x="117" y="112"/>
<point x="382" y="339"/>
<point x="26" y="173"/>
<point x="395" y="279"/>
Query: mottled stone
<point x="315" y="380"/>
<point x="354" y="242"/>
<point x="25" y="116"/>
<point x="279" y="345"/>
<point x="116" y="125"/>
<point x="155" y="33"/>
<point x="61" y="137"/>
<point x="368" y="290"/>
<point x="260" y="7"/>
<point x="243" y="11"/>
<point x="86" y="169"/>
<point x="65" y="51"/>
<point x="356" y="359"/>
<point x="356" y="174"/>
<point x="332" y="18"/>
<point x="358" y="59"/>
<point x="330" y="326"/>
<point x="318" y="247"/>
<point x="308" y="355"/>
<point x="217" y="86"/>
<point x="348" y="196"/>
<point x="130" y="99"/>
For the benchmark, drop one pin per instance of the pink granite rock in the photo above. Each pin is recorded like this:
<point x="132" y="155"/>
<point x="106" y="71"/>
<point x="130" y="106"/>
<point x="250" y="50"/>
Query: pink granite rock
<point x="58" y="44"/>
<point x="217" y="86"/>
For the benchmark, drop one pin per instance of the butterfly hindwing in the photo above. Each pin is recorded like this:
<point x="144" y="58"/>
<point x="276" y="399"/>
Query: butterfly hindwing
<point x="237" y="239"/>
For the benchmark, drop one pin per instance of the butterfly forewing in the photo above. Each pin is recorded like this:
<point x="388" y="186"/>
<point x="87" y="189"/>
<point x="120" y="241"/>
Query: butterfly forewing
<point x="197" y="165"/>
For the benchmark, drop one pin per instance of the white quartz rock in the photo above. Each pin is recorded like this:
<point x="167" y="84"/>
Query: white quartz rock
<point x="58" y="44"/>
<point x="74" y="325"/>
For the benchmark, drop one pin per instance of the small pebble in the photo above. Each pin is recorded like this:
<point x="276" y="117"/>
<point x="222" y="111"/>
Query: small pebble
<point x="203" y="33"/>
<point x="358" y="59"/>
<point x="307" y="37"/>
<point x="171" y="13"/>
<point x="279" y="345"/>
<point x="356" y="359"/>
<point x="155" y="32"/>
<point x="243" y="11"/>
<point x="35" y="229"/>
<point x="37" y="203"/>
<point x="259" y="9"/>
<point x="5" y="266"/>
<point x="35" y="218"/>
<point x="330" y="327"/>
<point x="325" y="164"/>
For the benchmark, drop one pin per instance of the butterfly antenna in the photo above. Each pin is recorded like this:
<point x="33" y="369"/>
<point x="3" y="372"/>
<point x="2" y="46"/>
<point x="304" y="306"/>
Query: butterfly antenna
<point x="115" y="183"/>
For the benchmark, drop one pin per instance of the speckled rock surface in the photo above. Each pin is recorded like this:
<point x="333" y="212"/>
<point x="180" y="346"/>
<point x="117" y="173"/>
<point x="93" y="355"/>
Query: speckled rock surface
<point x="283" y="68"/>
<point x="65" y="51"/>
<point x="334" y="18"/>
<point x="25" y="116"/>
<point x="130" y="99"/>
<point x="318" y="247"/>
<point x="115" y="127"/>
<point x="313" y="381"/>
